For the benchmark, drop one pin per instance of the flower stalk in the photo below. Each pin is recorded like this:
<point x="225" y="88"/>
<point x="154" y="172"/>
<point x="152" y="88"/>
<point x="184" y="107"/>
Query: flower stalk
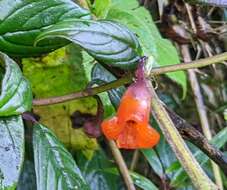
<point x="121" y="165"/>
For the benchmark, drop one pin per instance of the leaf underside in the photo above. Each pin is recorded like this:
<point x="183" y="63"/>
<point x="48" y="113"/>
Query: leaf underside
<point x="11" y="151"/>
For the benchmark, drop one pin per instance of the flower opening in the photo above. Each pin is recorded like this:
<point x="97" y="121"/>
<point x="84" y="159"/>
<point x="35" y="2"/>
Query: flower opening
<point x="130" y="127"/>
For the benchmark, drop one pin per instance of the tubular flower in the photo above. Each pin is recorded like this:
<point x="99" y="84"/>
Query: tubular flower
<point x="130" y="127"/>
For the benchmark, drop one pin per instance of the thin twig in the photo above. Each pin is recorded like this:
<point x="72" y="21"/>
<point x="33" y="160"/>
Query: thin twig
<point x="84" y="93"/>
<point x="121" y="165"/>
<point x="135" y="159"/>
<point x="127" y="79"/>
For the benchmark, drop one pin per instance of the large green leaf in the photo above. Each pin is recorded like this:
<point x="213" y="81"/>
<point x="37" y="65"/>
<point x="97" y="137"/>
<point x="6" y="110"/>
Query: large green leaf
<point x="126" y="4"/>
<point x="161" y="157"/>
<point x="107" y="41"/>
<point x="100" y="8"/>
<point x="142" y="182"/>
<point x="153" y="160"/>
<point x="111" y="99"/>
<point x="94" y="172"/>
<point x="138" y="19"/>
<point x="180" y="176"/>
<point x="102" y="175"/>
<point x="101" y="76"/>
<point x="54" y="165"/>
<point x="59" y="73"/>
<point x="11" y="151"/>
<point x="21" y="21"/>
<point x="16" y="95"/>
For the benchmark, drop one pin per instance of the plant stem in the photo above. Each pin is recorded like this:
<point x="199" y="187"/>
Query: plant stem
<point x="198" y="95"/>
<point x="128" y="78"/>
<point x="191" y="166"/>
<point x="190" y="65"/>
<point x="121" y="165"/>
<point x="201" y="109"/>
<point x="84" y="93"/>
<point x="135" y="159"/>
<point x="189" y="133"/>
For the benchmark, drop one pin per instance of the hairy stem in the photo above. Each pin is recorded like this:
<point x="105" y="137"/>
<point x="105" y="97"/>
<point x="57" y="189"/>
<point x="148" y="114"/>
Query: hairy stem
<point x="127" y="79"/>
<point x="191" y="166"/>
<point x="121" y="165"/>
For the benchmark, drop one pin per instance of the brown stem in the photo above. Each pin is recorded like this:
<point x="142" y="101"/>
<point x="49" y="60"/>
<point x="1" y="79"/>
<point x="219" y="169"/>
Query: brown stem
<point x="135" y="159"/>
<point x="100" y="110"/>
<point x="199" y="179"/>
<point x="121" y="165"/>
<point x="84" y="93"/>
<point x="163" y="182"/>
<point x="188" y="132"/>
<point x="200" y="108"/>
<point x="127" y="79"/>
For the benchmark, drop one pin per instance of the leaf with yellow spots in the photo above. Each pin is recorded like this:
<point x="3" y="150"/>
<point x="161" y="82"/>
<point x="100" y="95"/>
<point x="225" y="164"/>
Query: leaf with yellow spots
<point x="59" y="73"/>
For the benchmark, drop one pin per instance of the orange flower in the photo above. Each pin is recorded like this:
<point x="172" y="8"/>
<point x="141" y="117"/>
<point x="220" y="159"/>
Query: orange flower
<point x="130" y="127"/>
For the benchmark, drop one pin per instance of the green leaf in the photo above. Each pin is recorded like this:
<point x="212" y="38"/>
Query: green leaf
<point x="11" y="151"/>
<point x="111" y="99"/>
<point x="21" y="22"/>
<point x="126" y="4"/>
<point x="219" y="140"/>
<point x="153" y="160"/>
<point x="161" y="157"/>
<point x="58" y="73"/>
<point x="101" y="76"/>
<point x="138" y="19"/>
<point x="108" y="42"/>
<point x="173" y="167"/>
<point x="165" y="153"/>
<point x="94" y="172"/>
<point x="139" y="180"/>
<point x="142" y="182"/>
<point x="100" y="8"/>
<point x="54" y="165"/>
<point x="16" y="95"/>
<point x="109" y="109"/>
